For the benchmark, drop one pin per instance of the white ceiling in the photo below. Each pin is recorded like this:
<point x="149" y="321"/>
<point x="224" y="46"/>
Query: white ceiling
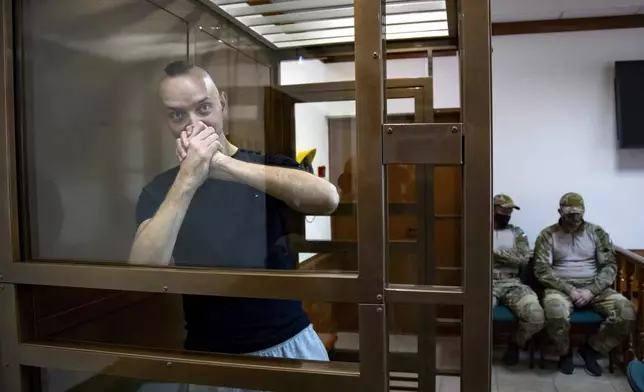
<point x="525" y="10"/>
<point x="297" y="23"/>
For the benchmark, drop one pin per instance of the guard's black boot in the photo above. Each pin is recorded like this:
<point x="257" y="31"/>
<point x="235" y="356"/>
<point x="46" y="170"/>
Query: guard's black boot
<point x="511" y="356"/>
<point x="565" y="364"/>
<point x="589" y="355"/>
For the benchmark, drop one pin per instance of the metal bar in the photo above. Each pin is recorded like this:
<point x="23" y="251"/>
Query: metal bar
<point x="426" y="351"/>
<point x="10" y="376"/>
<point x="427" y="332"/>
<point x="424" y="294"/>
<point x="425" y="197"/>
<point x="374" y="347"/>
<point x="452" y="17"/>
<point x="394" y="209"/>
<point x="9" y="243"/>
<point x="370" y="113"/>
<point x="350" y="86"/>
<point x="344" y="12"/>
<point x="15" y="325"/>
<point x="476" y="83"/>
<point x="330" y="287"/>
<point x="216" y="370"/>
<point x="448" y="216"/>
<point x="432" y="143"/>
<point x="191" y="54"/>
<point x="304" y="246"/>
<point x="348" y="95"/>
<point x="347" y="50"/>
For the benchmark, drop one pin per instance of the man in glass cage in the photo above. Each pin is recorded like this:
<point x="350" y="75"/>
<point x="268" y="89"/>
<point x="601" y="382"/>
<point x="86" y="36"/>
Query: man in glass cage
<point x="225" y="207"/>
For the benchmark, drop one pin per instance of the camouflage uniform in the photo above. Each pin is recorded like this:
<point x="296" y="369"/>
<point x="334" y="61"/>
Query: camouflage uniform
<point x="510" y="254"/>
<point x="582" y="259"/>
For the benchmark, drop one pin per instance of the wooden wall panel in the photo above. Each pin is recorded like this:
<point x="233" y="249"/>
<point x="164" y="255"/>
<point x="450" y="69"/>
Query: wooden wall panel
<point x="447" y="241"/>
<point x="448" y="194"/>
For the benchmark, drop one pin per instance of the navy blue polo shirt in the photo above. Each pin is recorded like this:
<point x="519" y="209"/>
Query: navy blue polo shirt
<point x="232" y="225"/>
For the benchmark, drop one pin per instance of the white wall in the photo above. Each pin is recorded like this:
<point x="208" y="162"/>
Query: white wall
<point x="554" y="129"/>
<point x="445" y="83"/>
<point x="553" y="124"/>
<point x="315" y="71"/>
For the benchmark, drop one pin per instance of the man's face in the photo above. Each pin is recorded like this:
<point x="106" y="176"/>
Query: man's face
<point x="571" y="220"/>
<point x="502" y="216"/>
<point x="503" y="211"/>
<point x="190" y="98"/>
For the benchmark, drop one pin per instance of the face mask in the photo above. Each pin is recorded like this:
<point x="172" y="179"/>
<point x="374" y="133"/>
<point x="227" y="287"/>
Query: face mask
<point x="572" y="220"/>
<point x="501" y="221"/>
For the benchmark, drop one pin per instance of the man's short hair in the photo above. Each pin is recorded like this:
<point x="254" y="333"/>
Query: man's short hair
<point x="177" y="68"/>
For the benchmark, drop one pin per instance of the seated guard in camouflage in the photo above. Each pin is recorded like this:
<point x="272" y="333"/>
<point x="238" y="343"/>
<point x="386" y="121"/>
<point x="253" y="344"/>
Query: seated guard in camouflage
<point x="512" y="251"/>
<point x="575" y="261"/>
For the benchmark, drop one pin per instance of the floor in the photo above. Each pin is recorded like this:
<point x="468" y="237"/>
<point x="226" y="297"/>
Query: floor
<point x="504" y="379"/>
<point x="521" y="378"/>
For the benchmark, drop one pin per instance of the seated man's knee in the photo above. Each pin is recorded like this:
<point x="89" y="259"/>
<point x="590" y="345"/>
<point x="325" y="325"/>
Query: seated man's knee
<point x="624" y="309"/>
<point x="531" y="310"/>
<point x="556" y="307"/>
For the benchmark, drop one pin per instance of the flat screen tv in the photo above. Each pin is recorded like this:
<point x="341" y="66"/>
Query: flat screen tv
<point x="629" y="98"/>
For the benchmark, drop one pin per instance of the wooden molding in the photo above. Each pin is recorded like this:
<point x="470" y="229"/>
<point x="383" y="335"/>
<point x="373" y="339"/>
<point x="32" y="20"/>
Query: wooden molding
<point x="568" y="25"/>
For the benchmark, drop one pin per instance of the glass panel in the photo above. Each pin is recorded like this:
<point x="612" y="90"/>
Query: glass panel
<point x="175" y="322"/>
<point x="243" y="80"/>
<point x="55" y="380"/>
<point x="90" y="152"/>
<point x="411" y="343"/>
<point x="342" y="69"/>
<point x="329" y="127"/>
<point x="447" y="239"/>
<point x="86" y="200"/>
<point x="408" y="252"/>
<point x="101" y="161"/>
<point x="325" y="141"/>
<point x="448" y="201"/>
<point x="402" y="199"/>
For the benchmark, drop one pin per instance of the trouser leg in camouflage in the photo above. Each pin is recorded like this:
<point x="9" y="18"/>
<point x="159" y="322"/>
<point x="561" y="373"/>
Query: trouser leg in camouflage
<point x="617" y="309"/>
<point x="523" y="302"/>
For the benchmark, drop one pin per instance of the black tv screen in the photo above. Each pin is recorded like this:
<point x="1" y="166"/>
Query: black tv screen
<point x="629" y="97"/>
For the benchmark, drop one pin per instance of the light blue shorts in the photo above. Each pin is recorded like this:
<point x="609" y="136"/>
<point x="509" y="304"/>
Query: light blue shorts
<point x="304" y="345"/>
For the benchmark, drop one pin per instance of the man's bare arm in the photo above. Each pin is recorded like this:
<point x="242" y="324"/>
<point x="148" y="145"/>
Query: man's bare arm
<point x="300" y="190"/>
<point x="155" y="238"/>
